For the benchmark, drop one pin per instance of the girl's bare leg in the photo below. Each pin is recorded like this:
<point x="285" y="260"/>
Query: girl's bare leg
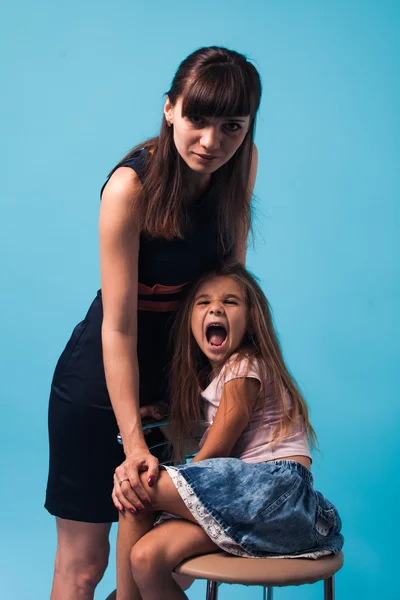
<point x="132" y="528"/>
<point x="155" y="556"/>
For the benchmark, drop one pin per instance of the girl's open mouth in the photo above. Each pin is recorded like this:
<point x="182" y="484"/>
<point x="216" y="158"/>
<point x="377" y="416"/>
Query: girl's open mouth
<point x="216" y="335"/>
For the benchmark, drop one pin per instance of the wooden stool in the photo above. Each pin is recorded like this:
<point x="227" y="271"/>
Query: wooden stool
<point x="267" y="572"/>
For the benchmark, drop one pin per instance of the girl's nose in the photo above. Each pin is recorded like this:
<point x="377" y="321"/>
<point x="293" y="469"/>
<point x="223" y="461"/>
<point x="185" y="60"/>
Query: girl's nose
<point x="216" y="309"/>
<point x="210" y="139"/>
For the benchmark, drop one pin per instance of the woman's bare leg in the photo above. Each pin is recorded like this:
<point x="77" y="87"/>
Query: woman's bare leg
<point x="155" y="556"/>
<point x="81" y="559"/>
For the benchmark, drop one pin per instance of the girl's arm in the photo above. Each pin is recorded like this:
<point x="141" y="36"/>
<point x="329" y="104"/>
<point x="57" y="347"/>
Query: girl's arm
<point x="237" y="402"/>
<point x="241" y="244"/>
<point x="119" y="250"/>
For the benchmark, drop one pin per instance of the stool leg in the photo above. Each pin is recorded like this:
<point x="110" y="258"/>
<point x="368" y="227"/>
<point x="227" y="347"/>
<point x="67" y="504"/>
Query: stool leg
<point x="268" y="593"/>
<point x="212" y="590"/>
<point x="329" y="589"/>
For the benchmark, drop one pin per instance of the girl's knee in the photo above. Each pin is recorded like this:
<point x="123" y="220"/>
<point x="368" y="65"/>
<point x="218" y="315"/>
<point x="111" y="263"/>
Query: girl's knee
<point x="146" y="559"/>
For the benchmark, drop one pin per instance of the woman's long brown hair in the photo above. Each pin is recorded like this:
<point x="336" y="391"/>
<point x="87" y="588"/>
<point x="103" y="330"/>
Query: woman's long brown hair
<point x="189" y="364"/>
<point x="215" y="82"/>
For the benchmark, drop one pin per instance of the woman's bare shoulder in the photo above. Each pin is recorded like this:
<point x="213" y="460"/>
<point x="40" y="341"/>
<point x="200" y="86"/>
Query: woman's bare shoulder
<point x="119" y="199"/>
<point x="123" y="182"/>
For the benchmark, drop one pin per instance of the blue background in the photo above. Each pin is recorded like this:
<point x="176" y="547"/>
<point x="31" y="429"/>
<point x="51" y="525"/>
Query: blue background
<point x="82" y="82"/>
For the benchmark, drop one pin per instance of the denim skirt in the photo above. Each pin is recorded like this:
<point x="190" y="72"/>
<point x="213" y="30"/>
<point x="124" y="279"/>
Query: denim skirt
<point x="259" y="510"/>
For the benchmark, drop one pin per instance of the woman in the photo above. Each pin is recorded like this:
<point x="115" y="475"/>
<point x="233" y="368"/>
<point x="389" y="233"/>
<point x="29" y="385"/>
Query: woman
<point x="171" y="208"/>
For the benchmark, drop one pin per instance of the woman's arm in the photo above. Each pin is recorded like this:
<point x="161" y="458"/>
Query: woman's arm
<point x="241" y="244"/>
<point x="237" y="402"/>
<point x="119" y="251"/>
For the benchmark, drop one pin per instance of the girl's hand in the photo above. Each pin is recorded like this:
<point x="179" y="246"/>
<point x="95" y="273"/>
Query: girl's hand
<point x="129" y="492"/>
<point x="153" y="412"/>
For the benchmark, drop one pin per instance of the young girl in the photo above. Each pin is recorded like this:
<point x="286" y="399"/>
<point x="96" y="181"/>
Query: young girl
<point x="171" y="208"/>
<point x="249" y="490"/>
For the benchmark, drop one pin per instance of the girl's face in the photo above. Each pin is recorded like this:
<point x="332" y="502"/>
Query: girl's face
<point x="219" y="318"/>
<point x="205" y="143"/>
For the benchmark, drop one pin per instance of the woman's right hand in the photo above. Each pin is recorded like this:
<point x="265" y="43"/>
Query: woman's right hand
<point x="129" y="492"/>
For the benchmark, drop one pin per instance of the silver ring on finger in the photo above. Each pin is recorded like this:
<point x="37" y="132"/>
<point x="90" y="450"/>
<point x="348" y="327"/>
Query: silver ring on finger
<point x="122" y="481"/>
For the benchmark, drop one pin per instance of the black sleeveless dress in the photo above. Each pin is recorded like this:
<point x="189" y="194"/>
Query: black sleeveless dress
<point x="82" y="427"/>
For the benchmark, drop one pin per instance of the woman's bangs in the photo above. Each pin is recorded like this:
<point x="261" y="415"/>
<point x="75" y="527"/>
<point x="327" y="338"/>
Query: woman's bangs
<point x="218" y="92"/>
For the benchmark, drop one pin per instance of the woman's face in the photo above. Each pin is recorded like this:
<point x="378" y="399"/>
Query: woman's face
<point x="205" y="143"/>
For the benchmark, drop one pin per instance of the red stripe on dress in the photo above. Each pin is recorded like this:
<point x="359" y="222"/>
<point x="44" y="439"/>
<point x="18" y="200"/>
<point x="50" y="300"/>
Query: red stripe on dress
<point x="145" y="290"/>
<point x="152" y="306"/>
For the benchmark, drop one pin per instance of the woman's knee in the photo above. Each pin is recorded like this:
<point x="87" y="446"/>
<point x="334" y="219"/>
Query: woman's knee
<point x="82" y="552"/>
<point x="85" y="571"/>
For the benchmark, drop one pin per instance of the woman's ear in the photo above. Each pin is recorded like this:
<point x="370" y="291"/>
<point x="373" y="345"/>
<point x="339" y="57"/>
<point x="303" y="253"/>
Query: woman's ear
<point x="168" y="111"/>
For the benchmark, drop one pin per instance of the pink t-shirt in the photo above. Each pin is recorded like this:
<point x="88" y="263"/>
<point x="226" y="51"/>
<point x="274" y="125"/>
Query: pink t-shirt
<point x="254" y="444"/>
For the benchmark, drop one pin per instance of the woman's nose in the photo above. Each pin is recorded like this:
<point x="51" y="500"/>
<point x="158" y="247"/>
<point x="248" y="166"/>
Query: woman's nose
<point x="210" y="139"/>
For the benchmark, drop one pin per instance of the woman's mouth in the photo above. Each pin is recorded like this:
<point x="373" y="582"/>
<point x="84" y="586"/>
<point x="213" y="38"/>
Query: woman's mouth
<point x="216" y="335"/>
<point x="205" y="157"/>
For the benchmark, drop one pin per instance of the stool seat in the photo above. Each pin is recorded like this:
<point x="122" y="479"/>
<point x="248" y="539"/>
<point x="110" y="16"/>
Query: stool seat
<point x="268" y="572"/>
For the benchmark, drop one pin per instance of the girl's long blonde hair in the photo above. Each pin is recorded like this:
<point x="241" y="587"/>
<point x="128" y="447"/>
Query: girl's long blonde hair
<point x="190" y="367"/>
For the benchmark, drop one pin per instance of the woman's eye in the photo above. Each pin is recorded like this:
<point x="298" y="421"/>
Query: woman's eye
<point x="195" y="120"/>
<point x="232" y="127"/>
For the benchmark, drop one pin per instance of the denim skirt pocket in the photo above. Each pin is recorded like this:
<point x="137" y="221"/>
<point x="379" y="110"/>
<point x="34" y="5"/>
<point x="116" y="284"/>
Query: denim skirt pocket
<point x="328" y="524"/>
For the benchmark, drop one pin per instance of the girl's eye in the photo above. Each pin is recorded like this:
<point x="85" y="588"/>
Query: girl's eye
<point x="232" y="127"/>
<point x="202" y="302"/>
<point x="231" y="302"/>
